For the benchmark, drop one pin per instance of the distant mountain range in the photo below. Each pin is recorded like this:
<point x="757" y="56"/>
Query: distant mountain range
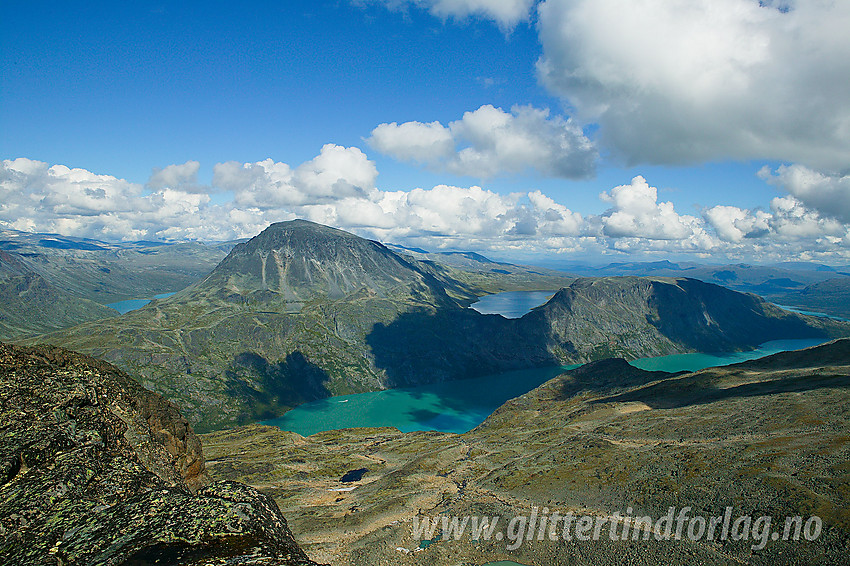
<point x="760" y="279"/>
<point x="303" y="311"/>
<point x="468" y="275"/>
<point x="30" y="305"/>
<point x="108" y="272"/>
<point x="48" y="282"/>
<point x="831" y="296"/>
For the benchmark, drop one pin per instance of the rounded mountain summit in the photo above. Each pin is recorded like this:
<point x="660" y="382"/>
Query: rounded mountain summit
<point x="292" y="263"/>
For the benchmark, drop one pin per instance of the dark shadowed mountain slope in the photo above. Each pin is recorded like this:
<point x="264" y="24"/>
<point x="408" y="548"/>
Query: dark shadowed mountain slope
<point x="592" y="319"/>
<point x="636" y="317"/>
<point x="95" y="469"/>
<point x="30" y="305"/>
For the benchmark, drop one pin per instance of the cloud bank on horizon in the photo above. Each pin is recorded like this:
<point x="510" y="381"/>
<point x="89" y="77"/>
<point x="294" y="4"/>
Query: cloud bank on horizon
<point x="337" y="188"/>
<point x="657" y="82"/>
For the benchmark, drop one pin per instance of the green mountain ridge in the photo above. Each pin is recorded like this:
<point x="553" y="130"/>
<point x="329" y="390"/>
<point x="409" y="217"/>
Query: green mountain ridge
<point x="30" y="305"/>
<point x="108" y="272"/>
<point x="303" y="311"/>
<point x="831" y="296"/>
<point x="652" y="316"/>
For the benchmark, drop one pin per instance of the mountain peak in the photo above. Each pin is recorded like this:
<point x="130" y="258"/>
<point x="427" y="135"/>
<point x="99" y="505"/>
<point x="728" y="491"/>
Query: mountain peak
<point x="302" y="234"/>
<point x="298" y="261"/>
<point x="306" y="226"/>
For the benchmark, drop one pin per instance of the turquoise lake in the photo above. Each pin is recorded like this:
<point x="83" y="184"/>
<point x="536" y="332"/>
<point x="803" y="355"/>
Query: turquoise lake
<point x="460" y="406"/>
<point x="694" y="362"/>
<point x="810" y="313"/>
<point x="453" y="406"/>
<point x="133" y="304"/>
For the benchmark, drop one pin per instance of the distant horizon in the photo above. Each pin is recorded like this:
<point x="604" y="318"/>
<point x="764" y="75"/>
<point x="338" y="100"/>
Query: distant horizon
<point x="548" y="262"/>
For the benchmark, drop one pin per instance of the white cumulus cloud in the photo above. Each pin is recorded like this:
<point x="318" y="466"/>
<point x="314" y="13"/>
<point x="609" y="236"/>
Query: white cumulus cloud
<point x="336" y="173"/>
<point x="506" y="13"/>
<point x="489" y="141"/>
<point x="76" y="202"/>
<point x="791" y="219"/>
<point x="786" y="222"/>
<point x="637" y="213"/>
<point x="27" y="185"/>
<point x="414" y="141"/>
<point x="337" y="187"/>
<point x="829" y="194"/>
<point x="733" y="224"/>
<point x="674" y="81"/>
<point x="183" y="177"/>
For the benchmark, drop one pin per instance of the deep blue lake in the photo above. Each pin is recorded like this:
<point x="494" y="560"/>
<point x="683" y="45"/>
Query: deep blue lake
<point x="133" y="304"/>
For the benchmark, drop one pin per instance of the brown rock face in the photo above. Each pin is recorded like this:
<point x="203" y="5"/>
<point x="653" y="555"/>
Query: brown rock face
<point x="95" y="469"/>
<point x="160" y="436"/>
<point x="174" y="433"/>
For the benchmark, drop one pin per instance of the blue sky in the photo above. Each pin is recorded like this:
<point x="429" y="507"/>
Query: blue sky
<point x="734" y="112"/>
<point x="125" y="88"/>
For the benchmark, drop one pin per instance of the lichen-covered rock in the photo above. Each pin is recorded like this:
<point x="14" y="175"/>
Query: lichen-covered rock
<point x="95" y="469"/>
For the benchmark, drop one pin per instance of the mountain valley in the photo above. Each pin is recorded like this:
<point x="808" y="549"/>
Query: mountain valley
<point x="30" y="305"/>
<point x="304" y="311"/>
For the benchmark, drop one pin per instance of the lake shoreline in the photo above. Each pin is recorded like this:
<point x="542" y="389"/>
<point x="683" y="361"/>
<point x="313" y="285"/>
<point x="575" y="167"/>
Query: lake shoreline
<point x="127" y="305"/>
<point x="459" y="406"/>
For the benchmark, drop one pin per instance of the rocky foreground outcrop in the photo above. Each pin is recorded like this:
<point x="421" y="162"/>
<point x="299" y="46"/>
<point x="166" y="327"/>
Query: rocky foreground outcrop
<point x="95" y="469"/>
